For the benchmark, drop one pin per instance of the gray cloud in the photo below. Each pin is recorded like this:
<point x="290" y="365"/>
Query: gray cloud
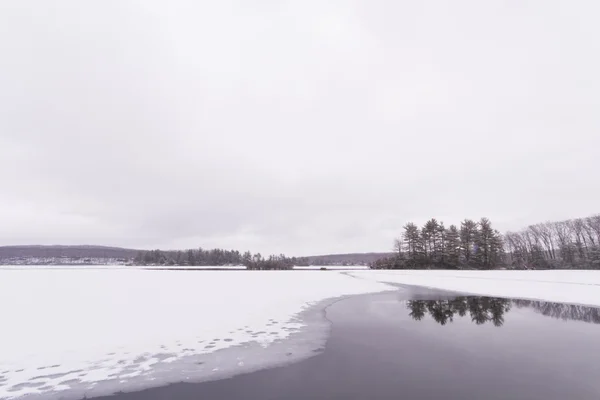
<point x="299" y="126"/>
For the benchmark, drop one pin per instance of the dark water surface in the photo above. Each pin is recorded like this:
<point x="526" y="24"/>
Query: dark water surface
<point x="419" y="344"/>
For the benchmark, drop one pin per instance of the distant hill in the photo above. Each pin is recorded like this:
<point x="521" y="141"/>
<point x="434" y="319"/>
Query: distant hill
<point x="107" y="255"/>
<point x="347" y="259"/>
<point x="98" y="252"/>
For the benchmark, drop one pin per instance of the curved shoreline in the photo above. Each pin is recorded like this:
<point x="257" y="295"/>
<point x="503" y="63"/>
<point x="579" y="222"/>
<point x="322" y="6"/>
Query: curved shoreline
<point x="244" y="358"/>
<point x="377" y="350"/>
<point x="97" y="331"/>
<point x="311" y="341"/>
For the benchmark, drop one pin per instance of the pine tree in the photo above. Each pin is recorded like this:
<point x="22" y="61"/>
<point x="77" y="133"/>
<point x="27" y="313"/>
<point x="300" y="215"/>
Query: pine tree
<point x="247" y="259"/>
<point x="468" y="234"/>
<point x="430" y="233"/>
<point x="424" y="240"/>
<point x="496" y="249"/>
<point x="414" y="245"/>
<point x="452" y="247"/>
<point x="441" y="246"/>
<point x="483" y="241"/>
<point x="191" y="259"/>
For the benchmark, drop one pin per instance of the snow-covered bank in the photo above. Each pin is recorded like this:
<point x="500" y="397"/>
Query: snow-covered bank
<point x="66" y="327"/>
<point x="561" y="286"/>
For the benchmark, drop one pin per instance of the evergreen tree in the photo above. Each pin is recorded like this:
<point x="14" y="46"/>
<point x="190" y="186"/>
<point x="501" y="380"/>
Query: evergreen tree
<point x="440" y="249"/>
<point x="430" y="235"/>
<point x="483" y="243"/>
<point x="414" y="245"/>
<point x="247" y="258"/>
<point x="191" y="257"/>
<point x="468" y="235"/>
<point x="453" y="247"/>
<point x="496" y="249"/>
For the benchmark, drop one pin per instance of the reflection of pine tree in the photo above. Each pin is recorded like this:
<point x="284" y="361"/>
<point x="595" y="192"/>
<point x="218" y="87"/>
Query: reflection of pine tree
<point x="497" y="309"/>
<point x="481" y="309"/>
<point x="459" y="306"/>
<point x="491" y="309"/>
<point x="478" y="310"/>
<point x="417" y="308"/>
<point x="441" y="311"/>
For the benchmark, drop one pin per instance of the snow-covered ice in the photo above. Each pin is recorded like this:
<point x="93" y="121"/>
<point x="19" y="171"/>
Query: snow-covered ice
<point x="561" y="286"/>
<point x="74" y="327"/>
<point x="333" y="267"/>
<point x="97" y="329"/>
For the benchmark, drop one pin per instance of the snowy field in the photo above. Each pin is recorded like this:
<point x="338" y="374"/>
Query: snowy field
<point x="80" y="328"/>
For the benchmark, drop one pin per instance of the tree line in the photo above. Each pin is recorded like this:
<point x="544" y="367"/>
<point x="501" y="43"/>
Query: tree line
<point x="475" y="245"/>
<point x="572" y="243"/>
<point x="217" y="257"/>
<point x="471" y="245"/>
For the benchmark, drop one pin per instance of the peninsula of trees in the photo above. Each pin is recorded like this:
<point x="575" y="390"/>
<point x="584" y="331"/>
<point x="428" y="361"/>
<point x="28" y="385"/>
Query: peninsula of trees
<point x="472" y="245"/>
<point x="477" y="245"/>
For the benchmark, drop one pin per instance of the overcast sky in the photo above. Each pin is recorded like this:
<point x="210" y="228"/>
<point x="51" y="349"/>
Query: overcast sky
<point x="304" y="127"/>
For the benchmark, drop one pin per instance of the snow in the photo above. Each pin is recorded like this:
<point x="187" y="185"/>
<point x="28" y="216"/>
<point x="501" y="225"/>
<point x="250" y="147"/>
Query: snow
<point x="561" y="286"/>
<point x="333" y="267"/>
<point x="90" y="325"/>
<point x="195" y="267"/>
<point x="67" y="329"/>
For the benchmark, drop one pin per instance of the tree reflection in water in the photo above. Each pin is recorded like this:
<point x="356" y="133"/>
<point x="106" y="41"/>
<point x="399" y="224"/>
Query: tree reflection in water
<point x="566" y="312"/>
<point x="492" y="309"/>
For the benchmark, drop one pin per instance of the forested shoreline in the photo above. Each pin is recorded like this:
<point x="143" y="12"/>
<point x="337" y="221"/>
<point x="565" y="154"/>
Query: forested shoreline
<point x="570" y="244"/>
<point x="473" y="245"/>
<point x="217" y="257"/>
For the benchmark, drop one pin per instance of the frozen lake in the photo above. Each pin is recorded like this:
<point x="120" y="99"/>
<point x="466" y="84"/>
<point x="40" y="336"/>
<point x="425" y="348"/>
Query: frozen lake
<point x="70" y="333"/>
<point x="73" y="332"/>
<point x="384" y="346"/>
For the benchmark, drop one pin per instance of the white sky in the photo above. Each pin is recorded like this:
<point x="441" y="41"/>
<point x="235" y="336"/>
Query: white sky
<point x="302" y="127"/>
